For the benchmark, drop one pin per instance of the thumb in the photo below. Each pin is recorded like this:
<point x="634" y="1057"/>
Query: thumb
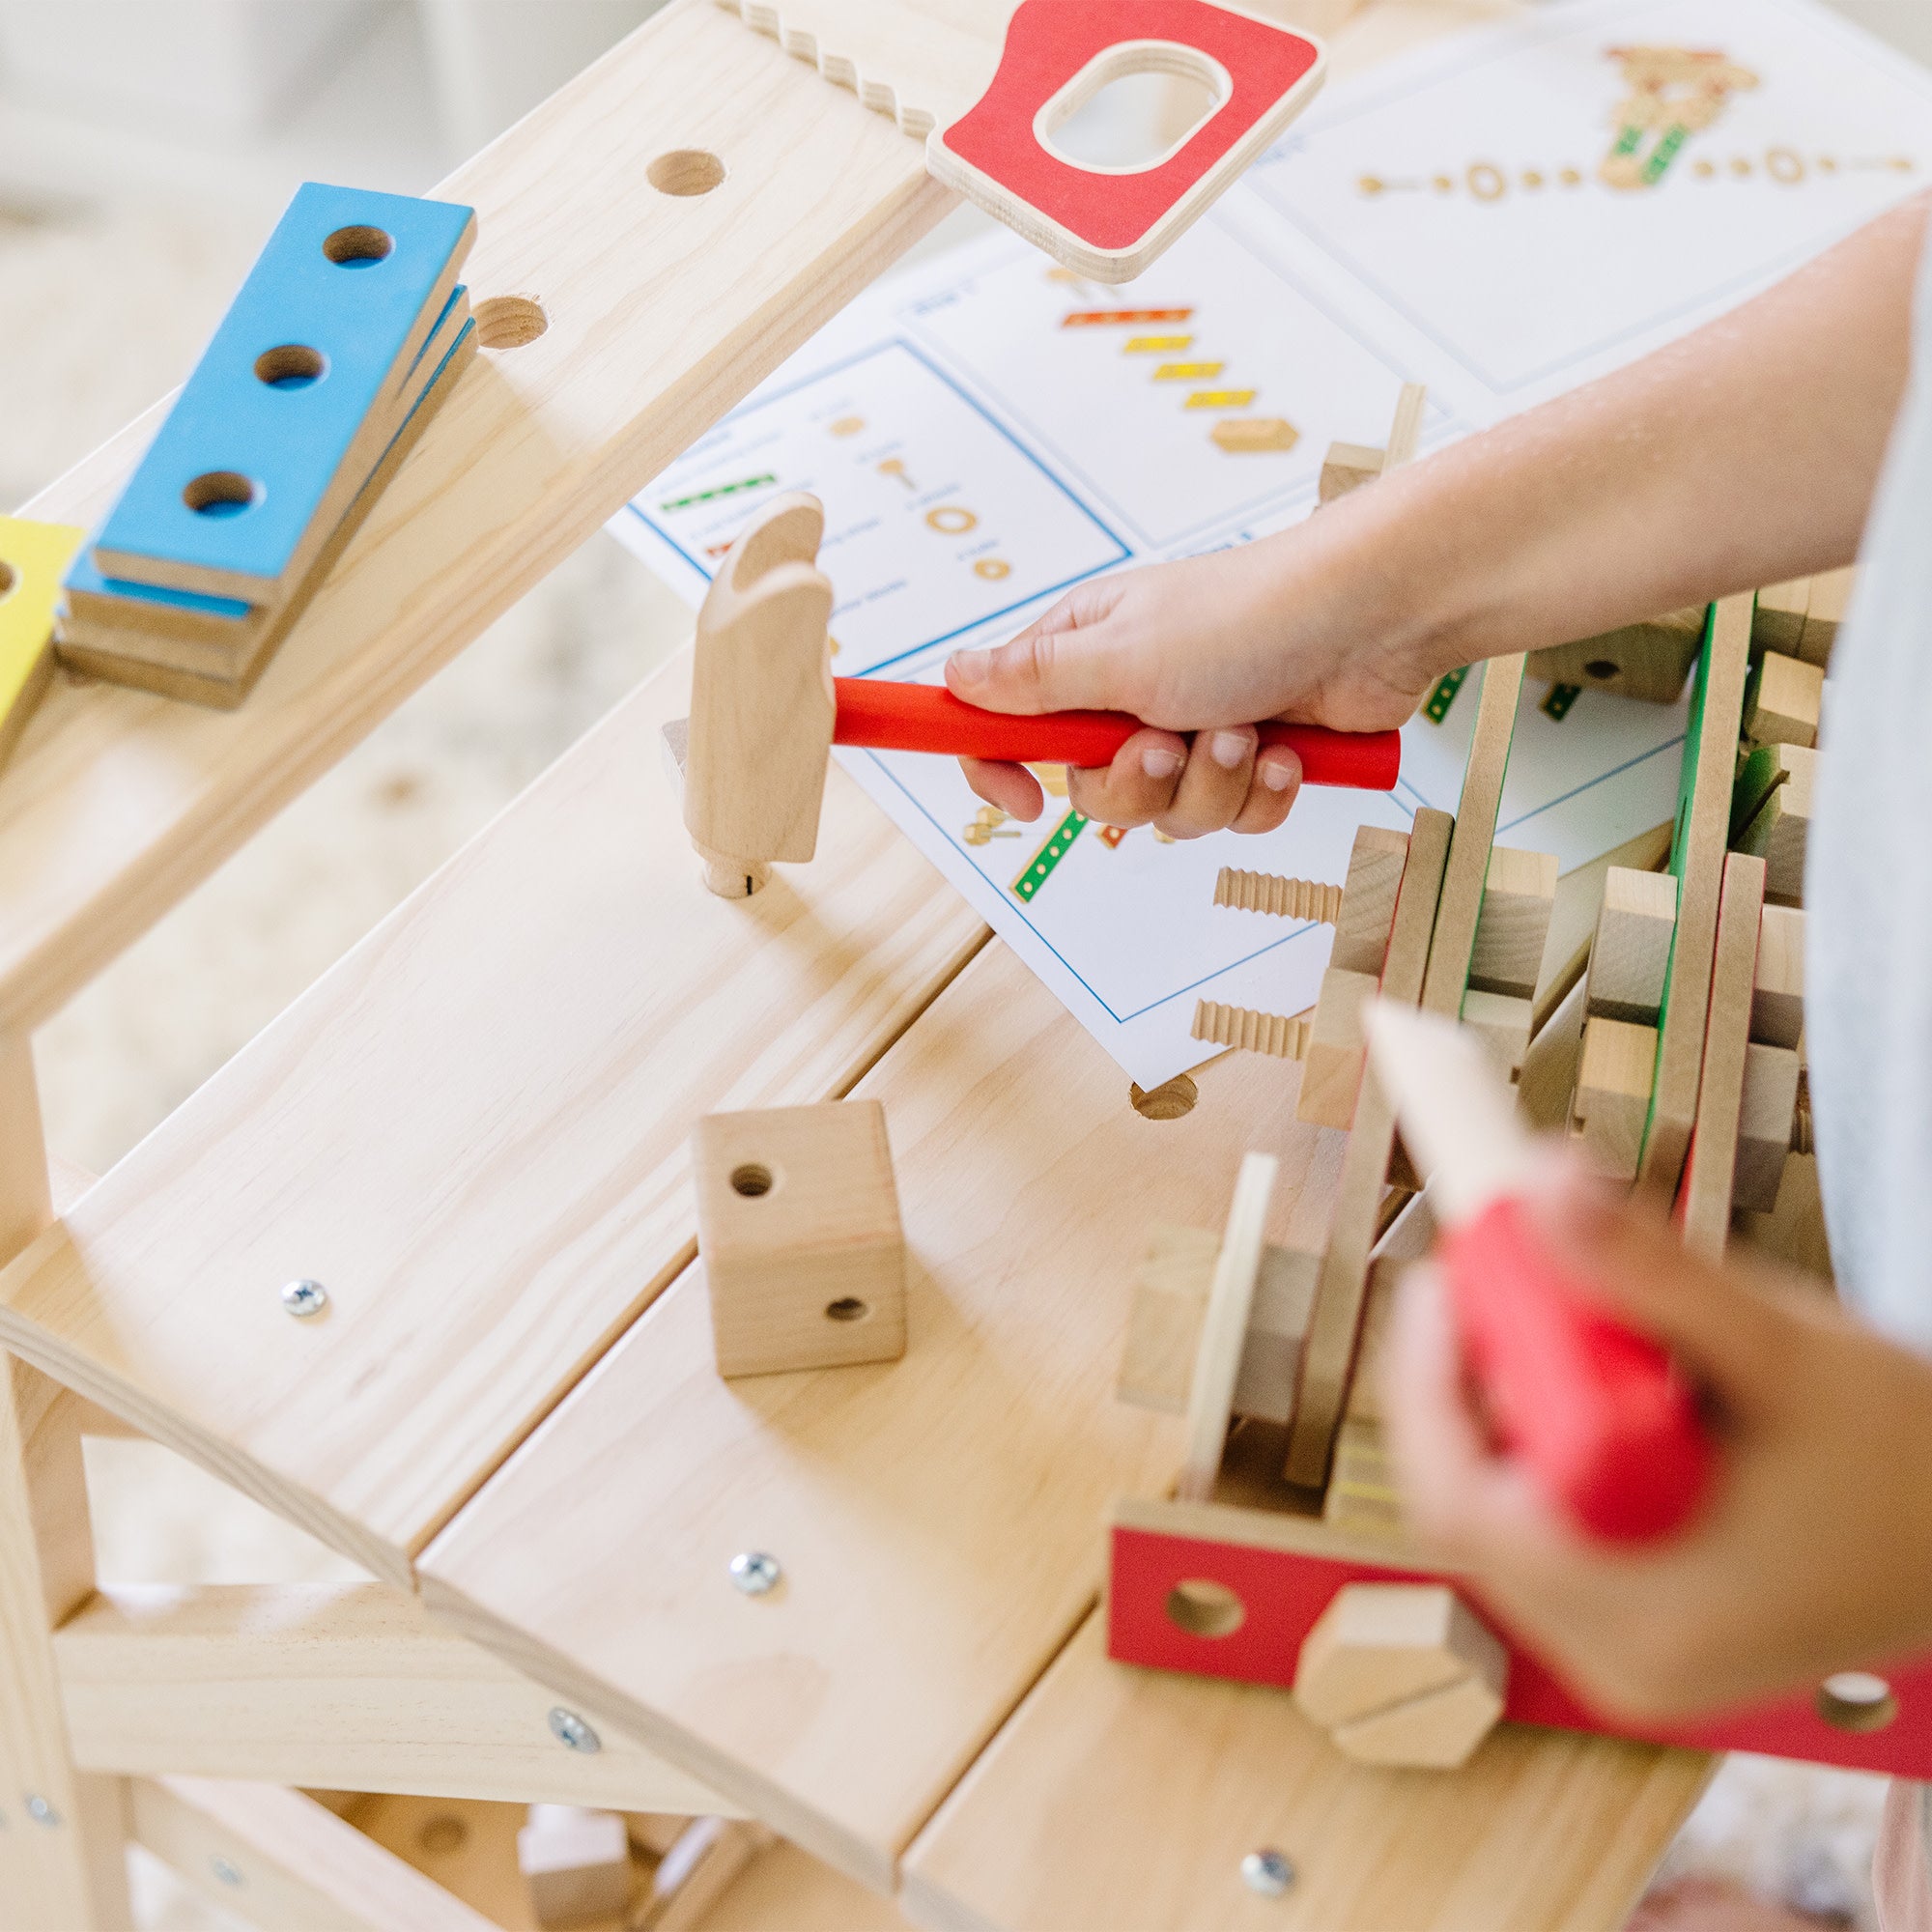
<point x="1066" y="660"/>
<point x="1729" y="1336"/>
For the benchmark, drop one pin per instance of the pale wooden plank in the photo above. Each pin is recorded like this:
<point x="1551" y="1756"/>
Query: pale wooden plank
<point x="350" y="1686"/>
<point x="1709" y="1174"/>
<point x="1117" y="1797"/>
<point x="472" y="1133"/>
<point x="784" y="1890"/>
<point x="26" y="1198"/>
<point x="938" y="1518"/>
<point x="284" y="1864"/>
<point x="1329" y="1351"/>
<point x="664" y="310"/>
<point x="1680" y="1053"/>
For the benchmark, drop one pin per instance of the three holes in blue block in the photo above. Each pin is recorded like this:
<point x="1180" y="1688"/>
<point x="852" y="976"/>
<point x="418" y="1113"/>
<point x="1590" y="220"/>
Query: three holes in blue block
<point x="291" y="367"/>
<point x="222" y="493"/>
<point x="359" y="247"/>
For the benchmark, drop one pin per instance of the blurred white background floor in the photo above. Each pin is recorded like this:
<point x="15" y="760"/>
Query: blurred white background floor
<point x="120" y="242"/>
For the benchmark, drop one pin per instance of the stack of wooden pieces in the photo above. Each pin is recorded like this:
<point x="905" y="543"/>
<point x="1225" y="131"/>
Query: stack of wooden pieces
<point x="348" y="334"/>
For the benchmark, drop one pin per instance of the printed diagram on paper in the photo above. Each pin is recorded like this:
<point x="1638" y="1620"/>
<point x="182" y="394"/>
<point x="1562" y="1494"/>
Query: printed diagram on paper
<point x="988" y="431"/>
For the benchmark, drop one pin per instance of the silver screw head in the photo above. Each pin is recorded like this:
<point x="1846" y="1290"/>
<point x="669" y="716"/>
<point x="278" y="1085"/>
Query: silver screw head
<point x="303" y="1299"/>
<point x="1267" y="1873"/>
<point x="755" y="1573"/>
<point x="40" y="1811"/>
<point x="573" y="1733"/>
<point x="224" y="1872"/>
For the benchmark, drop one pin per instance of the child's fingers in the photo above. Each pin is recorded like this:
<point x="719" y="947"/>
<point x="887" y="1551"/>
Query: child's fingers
<point x="1011" y="787"/>
<point x="1273" y="795"/>
<point x="1138" y="786"/>
<point x="1214" y="782"/>
<point x="1065" y="661"/>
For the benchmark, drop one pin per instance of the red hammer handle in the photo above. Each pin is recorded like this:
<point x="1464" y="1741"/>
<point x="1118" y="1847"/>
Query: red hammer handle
<point x="928" y="718"/>
<point x="1590" y="1406"/>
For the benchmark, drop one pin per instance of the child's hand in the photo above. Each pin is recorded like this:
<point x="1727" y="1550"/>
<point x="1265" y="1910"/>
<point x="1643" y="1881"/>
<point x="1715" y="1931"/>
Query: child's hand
<point x="1216" y="641"/>
<point x="1814" y="1552"/>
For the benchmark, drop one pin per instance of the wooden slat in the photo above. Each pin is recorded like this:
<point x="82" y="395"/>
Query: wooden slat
<point x="1322" y="1385"/>
<point x="1703" y="824"/>
<point x="786" y="1889"/>
<point x="283" y="1863"/>
<point x="1711" y="1170"/>
<point x="938" y="1518"/>
<point x="1118" y="1798"/>
<point x="664" y="310"/>
<point x="1461" y="906"/>
<point x="347" y="1686"/>
<point x="472" y="1133"/>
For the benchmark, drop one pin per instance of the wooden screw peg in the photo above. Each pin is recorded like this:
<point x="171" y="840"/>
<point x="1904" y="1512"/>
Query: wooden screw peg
<point x="1286" y="898"/>
<point x="1250" y="1029"/>
<point x="1402" y="1674"/>
<point x="798" y="1227"/>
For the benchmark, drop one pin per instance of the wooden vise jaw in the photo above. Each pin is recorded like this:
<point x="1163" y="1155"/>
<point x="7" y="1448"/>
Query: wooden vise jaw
<point x="754" y="749"/>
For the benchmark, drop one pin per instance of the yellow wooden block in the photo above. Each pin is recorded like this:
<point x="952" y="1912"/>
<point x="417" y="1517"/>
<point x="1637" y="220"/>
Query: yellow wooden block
<point x="1221" y="399"/>
<point x="1188" y="372"/>
<point x="32" y="559"/>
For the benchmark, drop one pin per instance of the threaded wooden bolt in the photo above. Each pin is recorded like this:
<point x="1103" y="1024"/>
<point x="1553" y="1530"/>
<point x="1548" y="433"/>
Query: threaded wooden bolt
<point x="1286" y="898"/>
<point x="1253" y="1032"/>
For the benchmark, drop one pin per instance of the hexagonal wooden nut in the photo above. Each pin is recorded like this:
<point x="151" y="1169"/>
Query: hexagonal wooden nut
<point x="1402" y="1674"/>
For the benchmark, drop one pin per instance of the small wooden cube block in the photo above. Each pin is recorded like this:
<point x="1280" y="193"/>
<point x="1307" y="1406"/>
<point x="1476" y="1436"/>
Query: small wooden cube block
<point x="1777" y="621"/>
<point x="1613" y="1082"/>
<point x="1519" y="895"/>
<point x="1787" y="695"/>
<point x="577" y="1863"/>
<point x="1402" y="1673"/>
<point x="1367" y="913"/>
<point x="1347" y="467"/>
<point x="1777" y="992"/>
<point x="1278" y="1318"/>
<point x="1781" y="827"/>
<point x="1331" y="1070"/>
<point x="798" y="1226"/>
<point x="1501" y="1021"/>
<point x="1164" y="1324"/>
<point x="1630" y="956"/>
<point x="1831" y="593"/>
<point x="1764" y="1126"/>
<point x="1648" y="661"/>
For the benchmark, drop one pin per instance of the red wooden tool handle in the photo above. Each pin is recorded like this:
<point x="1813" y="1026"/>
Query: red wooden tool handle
<point x="1593" y="1408"/>
<point x="928" y="718"/>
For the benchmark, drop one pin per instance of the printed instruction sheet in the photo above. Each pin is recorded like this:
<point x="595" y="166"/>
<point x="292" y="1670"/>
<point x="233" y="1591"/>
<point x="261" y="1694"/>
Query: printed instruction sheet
<point x="1501" y="215"/>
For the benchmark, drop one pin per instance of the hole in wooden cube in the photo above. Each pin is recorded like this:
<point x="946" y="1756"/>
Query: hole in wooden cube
<point x="798" y="1227"/>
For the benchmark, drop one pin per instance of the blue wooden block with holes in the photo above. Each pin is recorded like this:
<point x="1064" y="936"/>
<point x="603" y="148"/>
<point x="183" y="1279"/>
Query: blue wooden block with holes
<point x="134" y="605"/>
<point x="287" y="412"/>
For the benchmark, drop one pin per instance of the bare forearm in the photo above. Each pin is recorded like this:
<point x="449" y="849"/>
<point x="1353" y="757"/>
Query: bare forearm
<point x="1742" y="455"/>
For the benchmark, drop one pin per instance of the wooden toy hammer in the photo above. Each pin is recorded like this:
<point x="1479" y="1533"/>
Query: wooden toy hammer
<point x="765" y="712"/>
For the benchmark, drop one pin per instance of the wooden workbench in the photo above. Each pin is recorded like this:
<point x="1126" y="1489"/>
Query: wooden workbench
<point x="472" y="1129"/>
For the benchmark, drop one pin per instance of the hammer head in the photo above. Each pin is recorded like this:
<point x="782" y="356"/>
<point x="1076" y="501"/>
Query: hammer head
<point x="759" y="735"/>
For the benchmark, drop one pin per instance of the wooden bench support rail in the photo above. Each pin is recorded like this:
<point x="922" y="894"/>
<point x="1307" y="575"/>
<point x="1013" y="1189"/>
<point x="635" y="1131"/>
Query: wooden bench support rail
<point x="344" y="1687"/>
<point x="282" y="1862"/>
<point x="663" y="307"/>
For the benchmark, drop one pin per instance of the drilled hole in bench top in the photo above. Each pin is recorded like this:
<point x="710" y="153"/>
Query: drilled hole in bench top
<point x="293" y="366"/>
<point x="359" y="247"/>
<point x="847" y="1308"/>
<point x="1168" y="1101"/>
<point x="1205" y="1609"/>
<point x="684" y="171"/>
<point x="1855" y="1700"/>
<point x="222" y="493"/>
<point x="751" y="1181"/>
<point x="508" y="322"/>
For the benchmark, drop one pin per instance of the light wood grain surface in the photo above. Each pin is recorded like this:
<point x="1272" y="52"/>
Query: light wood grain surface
<point x="938" y="1518"/>
<point x="664" y="310"/>
<point x="472" y="1131"/>
<point x="349" y="1687"/>
<point x="1125" y="1798"/>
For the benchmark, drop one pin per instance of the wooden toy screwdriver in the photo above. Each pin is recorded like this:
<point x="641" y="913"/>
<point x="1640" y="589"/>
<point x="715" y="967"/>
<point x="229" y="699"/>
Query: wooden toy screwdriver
<point x="1591" y="1406"/>
<point x="928" y="718"/>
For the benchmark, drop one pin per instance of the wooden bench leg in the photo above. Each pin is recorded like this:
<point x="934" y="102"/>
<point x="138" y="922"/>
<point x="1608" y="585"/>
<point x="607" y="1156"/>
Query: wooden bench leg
<point x="63" y="1860"/>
